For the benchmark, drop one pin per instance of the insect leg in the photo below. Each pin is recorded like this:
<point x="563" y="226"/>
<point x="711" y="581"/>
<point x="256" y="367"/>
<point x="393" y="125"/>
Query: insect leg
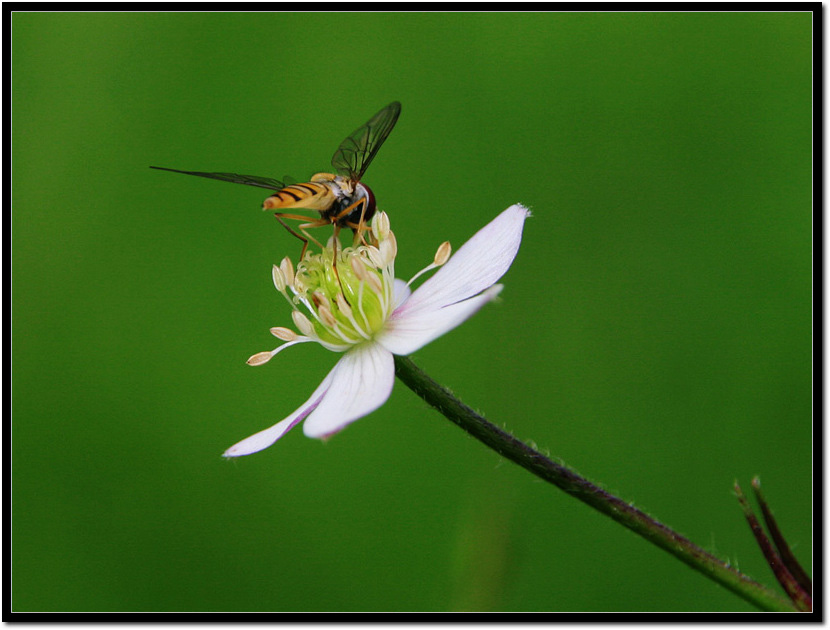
<point x="334" y="243"/>
<point x="320" y="222"/>
<point x="358" y="228"/>
<point x="361" y="226"/>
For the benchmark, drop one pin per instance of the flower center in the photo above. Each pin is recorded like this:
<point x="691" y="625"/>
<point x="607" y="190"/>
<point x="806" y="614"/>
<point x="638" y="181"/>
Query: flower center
<point x="342" y="297"/>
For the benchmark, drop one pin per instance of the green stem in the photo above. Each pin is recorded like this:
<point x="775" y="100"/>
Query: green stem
<point x="580" y="488"/>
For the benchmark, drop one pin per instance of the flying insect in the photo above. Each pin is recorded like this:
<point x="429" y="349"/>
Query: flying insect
<point x="341" y="198"/>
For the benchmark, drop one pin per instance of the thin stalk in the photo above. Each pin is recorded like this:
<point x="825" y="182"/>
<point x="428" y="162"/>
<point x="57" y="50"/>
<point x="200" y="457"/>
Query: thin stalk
<point x="580" y="488"/>
<point x="797" y="594"/>
<point x="787" y="556"/>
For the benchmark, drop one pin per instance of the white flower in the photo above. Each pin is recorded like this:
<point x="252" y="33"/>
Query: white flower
<point x="363" y="311"/>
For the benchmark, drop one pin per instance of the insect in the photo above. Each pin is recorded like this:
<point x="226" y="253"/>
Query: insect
<point x="341" y="199"/>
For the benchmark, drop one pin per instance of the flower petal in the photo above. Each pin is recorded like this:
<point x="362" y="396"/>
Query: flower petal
<point x="361" y="382"/>
<point x="401" y="292"/>
<point x="413" y="330"/>
<point x="266" y="438"/>
<point x="479" y="263"/>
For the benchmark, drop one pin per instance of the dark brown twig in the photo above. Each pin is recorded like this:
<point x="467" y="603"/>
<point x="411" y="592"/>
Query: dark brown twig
<point x="802" y="600"/>
<point x="787" y="556"/>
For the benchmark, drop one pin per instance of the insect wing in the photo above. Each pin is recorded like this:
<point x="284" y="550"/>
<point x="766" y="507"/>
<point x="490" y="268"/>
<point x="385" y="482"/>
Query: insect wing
<point x="234" y="178"/>
<point x="355" y="153"/>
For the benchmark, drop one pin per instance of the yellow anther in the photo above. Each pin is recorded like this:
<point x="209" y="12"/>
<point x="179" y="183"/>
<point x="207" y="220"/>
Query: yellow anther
<point x="443" y="253"/>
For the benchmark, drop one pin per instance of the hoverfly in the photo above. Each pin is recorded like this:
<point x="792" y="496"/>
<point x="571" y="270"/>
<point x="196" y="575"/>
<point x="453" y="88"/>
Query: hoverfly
<point x="341" y="199"/>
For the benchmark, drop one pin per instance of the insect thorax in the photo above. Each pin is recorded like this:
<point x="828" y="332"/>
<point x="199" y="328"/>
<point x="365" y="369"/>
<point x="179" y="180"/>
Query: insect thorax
<point x="347" y="193"/>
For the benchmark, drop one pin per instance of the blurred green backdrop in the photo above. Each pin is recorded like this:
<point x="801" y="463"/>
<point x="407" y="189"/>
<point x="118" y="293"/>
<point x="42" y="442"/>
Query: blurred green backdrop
<point x="654" y="332"/>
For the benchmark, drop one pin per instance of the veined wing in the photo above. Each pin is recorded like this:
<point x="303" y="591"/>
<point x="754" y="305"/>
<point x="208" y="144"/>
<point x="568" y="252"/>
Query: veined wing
<point x="234" y="178"/>
<point x="355" y="153"/>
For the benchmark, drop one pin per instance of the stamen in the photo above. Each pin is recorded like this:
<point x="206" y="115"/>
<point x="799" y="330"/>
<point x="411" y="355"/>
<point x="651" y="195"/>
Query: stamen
<point x="319" y="298"/>
<point x="288" y="270"/>
<point x="443" y="253"/>
<point x="375" y="257"/>
<point x="393" y="245"/>
<point x="441" y="256"/>
<point x="421" y="272"/>
<point x="312" y="312"/>
<point x="263" y="357"/>
<point x="288" y="299"/>
<point x="359" y="268"/>
<point x="380" y="226"/>
<point x="387" y="251"/>
<point x="346" y="310"/>
<point x="361" y="287"/>
<point x="326" y="316"/>
<point x="337" y="330"/>
<point x="302" y="322"/>
<point x="343" y="305"/>
<point x="299" y="285"/>
<point x="279" y="278"/>
<point x="260" y="358"/>
<point x="374" y="282"/>
<point x="286" y="334"/>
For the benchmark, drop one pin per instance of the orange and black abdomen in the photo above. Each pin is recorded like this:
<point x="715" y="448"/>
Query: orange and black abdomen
<point x="312" y="195"/>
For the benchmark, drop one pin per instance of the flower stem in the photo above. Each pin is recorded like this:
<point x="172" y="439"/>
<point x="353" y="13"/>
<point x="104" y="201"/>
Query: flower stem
<point x="580" y="488"/>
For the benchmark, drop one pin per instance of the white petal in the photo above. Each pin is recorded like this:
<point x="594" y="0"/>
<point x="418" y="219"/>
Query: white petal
<point x="266" y="438"/>
<point x="406" y="333"/>
<point x="401" y="292"/>
<point x="479" y="263"/>
<point x="361" y="382"/>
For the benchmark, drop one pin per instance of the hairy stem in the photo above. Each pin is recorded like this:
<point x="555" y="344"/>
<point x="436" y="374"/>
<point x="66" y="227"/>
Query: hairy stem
<point x="580" y="488"/>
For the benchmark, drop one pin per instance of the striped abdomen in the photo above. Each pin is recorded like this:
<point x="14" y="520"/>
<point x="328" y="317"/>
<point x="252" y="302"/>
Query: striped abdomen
<point x="313" y="195"/>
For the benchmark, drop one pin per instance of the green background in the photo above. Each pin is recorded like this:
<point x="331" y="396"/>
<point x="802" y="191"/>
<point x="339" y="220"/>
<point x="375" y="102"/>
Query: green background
<point x="654" y="331"/>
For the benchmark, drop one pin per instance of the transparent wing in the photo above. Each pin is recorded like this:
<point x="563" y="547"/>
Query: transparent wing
<point x="355" y="153"/>
<point x="234" y="178"/>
